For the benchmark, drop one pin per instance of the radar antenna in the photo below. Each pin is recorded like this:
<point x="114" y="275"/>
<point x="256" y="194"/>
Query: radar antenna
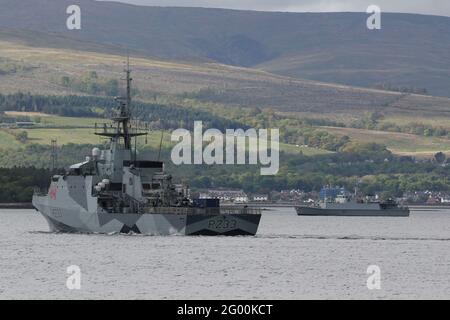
<point x="123" y="119"/>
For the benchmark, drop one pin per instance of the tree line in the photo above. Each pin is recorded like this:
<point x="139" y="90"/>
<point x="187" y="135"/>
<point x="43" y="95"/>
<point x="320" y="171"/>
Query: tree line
<point x="369" y="166"/>
<point x="160" y="116"/>
<point x="17" y="184"/>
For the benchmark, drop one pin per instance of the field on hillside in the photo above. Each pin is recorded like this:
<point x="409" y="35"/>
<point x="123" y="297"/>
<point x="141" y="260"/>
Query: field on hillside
<point x="54" y="120"/>
<point x="407" y="119"/>
<point x="399" y="118"/>
<point x="81" y="131"/>
<point x="399" y="143"/>
<point x="83" y="135"/>
<point x="8" y="141"/>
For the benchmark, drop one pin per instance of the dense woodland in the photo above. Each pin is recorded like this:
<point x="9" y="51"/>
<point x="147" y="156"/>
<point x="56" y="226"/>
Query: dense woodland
<point x="369" y="166"/>
<point x="17" y="184"/>
<point x="92" y="84"/>
<point x="161" y="116"/>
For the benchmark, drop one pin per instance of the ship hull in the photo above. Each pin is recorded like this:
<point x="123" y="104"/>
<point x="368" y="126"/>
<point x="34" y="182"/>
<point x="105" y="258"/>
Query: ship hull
<point x="393" y="212"/>
<point x="77" y="220"/>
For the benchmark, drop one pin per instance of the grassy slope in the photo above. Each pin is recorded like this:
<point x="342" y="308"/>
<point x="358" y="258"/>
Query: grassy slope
<point x="8" y="141"/>
<point x="400" y="143"/>
<point x="406" y="119"/>
<point x="86" y="135"/>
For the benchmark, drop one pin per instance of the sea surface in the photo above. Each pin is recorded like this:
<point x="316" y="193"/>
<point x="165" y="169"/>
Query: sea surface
<point x="292" y="257"/>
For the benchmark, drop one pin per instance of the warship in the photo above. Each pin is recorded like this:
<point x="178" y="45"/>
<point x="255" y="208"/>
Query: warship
<point x="117" y="191"/>
<point x="344" y="206"/>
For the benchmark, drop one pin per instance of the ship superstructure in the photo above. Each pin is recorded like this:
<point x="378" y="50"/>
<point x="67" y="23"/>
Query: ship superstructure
<point x="117" y="191"/>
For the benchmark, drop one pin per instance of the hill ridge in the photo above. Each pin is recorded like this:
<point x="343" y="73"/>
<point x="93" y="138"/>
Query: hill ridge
<point x="410" y="50"/>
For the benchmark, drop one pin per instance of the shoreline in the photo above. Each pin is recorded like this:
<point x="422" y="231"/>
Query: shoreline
<point x="29" y="205"/>
<point x="287" y="205"/>
<point x="18" y="205"/>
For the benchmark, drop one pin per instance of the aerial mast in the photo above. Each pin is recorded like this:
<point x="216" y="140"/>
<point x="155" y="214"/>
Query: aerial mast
<point x="124" y="117"/>
<point x="126" y="109"/>
<point x="129" y="79"/>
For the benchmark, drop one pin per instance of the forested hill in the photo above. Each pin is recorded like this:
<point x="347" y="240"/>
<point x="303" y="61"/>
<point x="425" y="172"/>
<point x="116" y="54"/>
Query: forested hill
<point x="410" y="51"/>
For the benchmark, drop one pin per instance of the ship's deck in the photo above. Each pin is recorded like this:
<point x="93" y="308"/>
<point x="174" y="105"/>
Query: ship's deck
<point x="198" y="211"/>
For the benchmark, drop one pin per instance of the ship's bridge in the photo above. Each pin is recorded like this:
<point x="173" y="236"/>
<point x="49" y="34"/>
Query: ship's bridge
<point x="82" y="168"/>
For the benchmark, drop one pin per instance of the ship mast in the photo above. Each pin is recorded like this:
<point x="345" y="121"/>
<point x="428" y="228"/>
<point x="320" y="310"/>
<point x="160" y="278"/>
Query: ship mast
<point x="125" y="110"/>
<point x="124" y="117"/>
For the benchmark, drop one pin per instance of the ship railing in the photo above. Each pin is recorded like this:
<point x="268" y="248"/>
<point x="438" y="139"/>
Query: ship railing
<point x="243" y="210"/>
<point x="192" y="210"/>
<point x="136" y="205"/>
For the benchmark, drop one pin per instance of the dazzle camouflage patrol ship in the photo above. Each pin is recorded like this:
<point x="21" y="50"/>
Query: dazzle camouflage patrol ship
<point x="116" y="191"/>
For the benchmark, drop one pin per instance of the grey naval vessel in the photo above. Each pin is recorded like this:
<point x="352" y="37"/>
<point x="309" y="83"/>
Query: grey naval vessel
<point x="343" y="206"/>
<point x="115" y="191"/>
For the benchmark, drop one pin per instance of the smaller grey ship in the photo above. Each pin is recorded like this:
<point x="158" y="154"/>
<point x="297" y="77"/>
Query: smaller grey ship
<point x="344" y="206"/>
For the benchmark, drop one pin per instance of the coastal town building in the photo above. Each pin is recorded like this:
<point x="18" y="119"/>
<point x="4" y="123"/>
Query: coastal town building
<point x="224" y="195"/>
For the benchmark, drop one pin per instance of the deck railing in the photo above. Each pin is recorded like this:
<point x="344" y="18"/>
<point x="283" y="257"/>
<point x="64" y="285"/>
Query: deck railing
<point x="190" y="210"/>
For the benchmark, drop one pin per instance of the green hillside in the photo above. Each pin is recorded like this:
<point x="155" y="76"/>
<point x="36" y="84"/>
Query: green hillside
<point x="186" y="72"/>
<point x="70" y="130"/>
<point x="210" y="92"/>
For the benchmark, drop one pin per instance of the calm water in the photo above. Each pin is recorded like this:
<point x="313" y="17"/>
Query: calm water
<point x="291" y="258"/>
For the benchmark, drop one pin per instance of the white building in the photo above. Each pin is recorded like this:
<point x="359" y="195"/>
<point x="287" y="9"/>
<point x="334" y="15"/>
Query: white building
<point x="260" y="197"/>
<point x="238" y="196"/>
